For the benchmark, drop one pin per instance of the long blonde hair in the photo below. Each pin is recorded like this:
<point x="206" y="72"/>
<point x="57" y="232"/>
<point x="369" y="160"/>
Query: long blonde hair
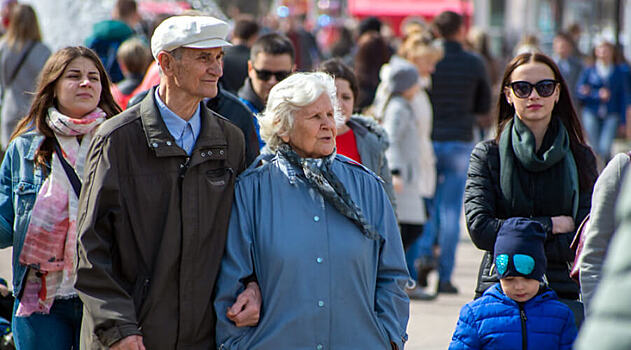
<point x="23" y="26"/>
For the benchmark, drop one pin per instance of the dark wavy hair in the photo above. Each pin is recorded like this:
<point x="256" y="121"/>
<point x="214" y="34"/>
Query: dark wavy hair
<point x="338" y="69"/>
<point x="45" y="96"/>
<point x="563" y="109"/>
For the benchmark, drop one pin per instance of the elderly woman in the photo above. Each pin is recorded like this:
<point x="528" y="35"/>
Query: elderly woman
<point x="318" y="233"/>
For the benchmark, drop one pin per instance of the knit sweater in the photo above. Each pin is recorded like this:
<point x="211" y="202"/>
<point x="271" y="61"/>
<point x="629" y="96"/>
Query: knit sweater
<point x="460" y="91"/>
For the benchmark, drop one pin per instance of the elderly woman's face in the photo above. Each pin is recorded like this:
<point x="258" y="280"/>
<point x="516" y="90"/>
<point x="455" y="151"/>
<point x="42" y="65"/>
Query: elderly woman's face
<point x="313" y="133"/>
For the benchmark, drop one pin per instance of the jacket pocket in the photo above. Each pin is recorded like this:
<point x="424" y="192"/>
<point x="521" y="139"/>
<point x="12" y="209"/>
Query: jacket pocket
<point x="219" y="178"/>
<point x="25" y="193"/>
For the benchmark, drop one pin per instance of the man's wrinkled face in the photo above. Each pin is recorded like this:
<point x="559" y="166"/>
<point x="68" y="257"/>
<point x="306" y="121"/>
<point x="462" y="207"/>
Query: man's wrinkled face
<point x="197" y="71"/>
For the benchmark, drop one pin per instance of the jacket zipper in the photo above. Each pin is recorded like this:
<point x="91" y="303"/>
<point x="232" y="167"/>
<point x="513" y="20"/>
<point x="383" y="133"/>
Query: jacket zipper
<point x="184" y="167"/>
<point x="524" y="337"/>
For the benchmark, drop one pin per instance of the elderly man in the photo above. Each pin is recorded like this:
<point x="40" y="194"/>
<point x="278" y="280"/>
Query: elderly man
<point x="156" y="204"/>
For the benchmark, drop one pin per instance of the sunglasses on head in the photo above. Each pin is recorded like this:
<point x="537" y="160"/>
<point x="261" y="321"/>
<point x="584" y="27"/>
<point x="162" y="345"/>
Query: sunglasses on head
<point x="523" y="89"/>
<point x="524" y="264"/>
<point x="266" y="75"/>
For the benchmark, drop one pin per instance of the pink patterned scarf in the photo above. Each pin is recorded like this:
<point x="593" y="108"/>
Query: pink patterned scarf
<point x="51" y="238"/>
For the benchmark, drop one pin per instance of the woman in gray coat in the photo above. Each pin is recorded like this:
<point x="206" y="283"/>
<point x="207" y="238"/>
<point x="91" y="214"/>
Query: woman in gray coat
<point x="404" y="153"/>
<point x="22" y="56"/>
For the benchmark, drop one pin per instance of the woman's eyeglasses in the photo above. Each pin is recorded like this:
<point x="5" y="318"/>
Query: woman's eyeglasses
<point x="523" y="89"/>
<point x="524" y="264"/>
<point x="266" y="75"/>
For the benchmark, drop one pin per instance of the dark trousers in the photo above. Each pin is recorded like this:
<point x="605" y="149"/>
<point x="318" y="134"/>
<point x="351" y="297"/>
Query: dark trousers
<point x="409" y="233"/>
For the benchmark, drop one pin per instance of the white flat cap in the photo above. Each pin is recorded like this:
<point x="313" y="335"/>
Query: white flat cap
<point x="197" y="32"/>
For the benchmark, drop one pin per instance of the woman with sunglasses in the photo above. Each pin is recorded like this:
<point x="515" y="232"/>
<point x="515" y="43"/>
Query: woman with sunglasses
<point x="538" y="167"/>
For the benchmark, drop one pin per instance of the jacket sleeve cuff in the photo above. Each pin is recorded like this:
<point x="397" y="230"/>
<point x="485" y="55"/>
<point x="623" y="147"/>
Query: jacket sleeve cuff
<point x="546" y="222"/>
<point x="110" y="336"/>
<point x="400" y="342"/>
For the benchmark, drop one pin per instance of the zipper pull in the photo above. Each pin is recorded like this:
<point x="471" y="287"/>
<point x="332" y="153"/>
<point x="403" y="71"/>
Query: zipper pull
<point x="523" y="315"/>
<point x="184" y="166"/>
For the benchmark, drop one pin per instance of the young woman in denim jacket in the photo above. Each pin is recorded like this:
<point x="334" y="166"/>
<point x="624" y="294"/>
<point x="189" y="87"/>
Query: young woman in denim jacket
<point x="38" y="204"/>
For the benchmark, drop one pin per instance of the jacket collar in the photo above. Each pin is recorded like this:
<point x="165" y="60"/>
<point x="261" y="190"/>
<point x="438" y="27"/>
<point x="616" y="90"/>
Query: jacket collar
<point x="545" y="293"/>
<point x="211" y="135"/>
<point x="247" y="92"/>
<point x="38" y="139"/>
<point x="452" y="46"/>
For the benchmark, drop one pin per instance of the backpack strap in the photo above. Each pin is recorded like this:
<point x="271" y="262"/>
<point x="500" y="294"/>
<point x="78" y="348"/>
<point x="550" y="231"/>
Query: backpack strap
<point x="21" y="62"/>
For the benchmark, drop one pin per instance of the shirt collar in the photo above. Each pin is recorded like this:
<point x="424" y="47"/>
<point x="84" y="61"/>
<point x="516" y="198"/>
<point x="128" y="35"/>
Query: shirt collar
<point x="174" y="123"/>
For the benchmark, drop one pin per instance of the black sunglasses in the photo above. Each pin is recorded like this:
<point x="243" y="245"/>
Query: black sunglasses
<point x="266" y="75"/>
<point x="523" y="89"/>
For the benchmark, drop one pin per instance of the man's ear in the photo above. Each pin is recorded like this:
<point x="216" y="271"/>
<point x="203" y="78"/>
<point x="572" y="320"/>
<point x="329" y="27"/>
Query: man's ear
<point x="166" y="62"/>
<point x="251" y="72"/>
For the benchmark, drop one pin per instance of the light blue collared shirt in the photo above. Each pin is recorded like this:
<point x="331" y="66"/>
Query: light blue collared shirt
<point x="184" y="132"/>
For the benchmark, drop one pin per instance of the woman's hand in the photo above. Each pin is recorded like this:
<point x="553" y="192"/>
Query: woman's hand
<point x="584" y="89"/>
<point x="397" y="183"/>
<point x="562" y="224"/>
<point x="604" y="94"/>
<point x="246" y="310"/>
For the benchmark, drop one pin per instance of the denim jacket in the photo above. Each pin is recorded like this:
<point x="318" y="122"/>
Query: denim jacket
<point x="20" y="181"/>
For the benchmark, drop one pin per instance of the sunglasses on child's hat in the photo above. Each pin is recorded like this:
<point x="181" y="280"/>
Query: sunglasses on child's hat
<point x="523" y="263"/>
<point x="523" y="89"/>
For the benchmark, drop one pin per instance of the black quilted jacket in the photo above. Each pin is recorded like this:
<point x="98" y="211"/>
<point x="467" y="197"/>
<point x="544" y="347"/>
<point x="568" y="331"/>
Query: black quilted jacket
<point x="485" y="215"/>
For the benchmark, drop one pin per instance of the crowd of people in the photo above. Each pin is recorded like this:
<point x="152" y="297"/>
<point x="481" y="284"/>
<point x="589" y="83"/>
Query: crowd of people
<point x="196" y="183"/>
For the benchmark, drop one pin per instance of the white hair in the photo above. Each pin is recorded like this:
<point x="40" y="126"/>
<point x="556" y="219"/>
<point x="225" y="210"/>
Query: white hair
<point x="291" y="94"/>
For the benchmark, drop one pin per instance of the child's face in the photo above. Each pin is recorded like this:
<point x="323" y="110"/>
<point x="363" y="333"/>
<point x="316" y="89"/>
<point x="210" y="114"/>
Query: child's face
<point x="519" y="288"/>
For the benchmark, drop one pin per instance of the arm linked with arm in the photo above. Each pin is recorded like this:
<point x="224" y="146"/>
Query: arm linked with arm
<point x="237" y="267"/>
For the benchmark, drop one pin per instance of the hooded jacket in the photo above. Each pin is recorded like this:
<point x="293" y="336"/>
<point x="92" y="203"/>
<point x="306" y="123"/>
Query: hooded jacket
<point x="495" y="321"/>
<point x="372" y="143"/>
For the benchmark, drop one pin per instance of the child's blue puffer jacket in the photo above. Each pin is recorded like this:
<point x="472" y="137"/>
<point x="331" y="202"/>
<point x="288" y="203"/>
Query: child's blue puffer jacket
<point x="494" y="321"/>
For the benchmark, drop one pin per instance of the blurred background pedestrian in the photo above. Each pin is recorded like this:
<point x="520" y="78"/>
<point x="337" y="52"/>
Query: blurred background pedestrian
<point x="22" y="56"/>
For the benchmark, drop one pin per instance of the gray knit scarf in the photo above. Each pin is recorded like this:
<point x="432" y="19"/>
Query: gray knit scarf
<point x="318" y="173"/>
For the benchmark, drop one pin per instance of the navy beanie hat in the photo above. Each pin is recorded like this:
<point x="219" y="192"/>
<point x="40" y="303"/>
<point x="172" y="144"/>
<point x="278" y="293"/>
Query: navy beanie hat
<point x="519" y="249"/>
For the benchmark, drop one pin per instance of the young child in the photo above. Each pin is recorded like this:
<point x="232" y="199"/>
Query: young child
<point x="520" y="312"/>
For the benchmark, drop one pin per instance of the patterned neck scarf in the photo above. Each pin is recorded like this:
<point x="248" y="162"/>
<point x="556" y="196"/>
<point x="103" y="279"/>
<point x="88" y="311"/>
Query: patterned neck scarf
<point x="50" y="244"/>
<point x="318" y="173"/>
